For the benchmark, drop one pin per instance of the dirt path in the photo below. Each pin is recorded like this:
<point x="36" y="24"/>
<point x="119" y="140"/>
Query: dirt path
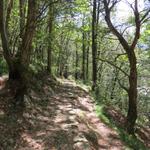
<point x="64" y="121"/>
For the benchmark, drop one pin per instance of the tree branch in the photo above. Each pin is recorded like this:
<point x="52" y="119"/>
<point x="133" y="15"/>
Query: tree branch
<point x="118" y="55"/>
<point x="122" y="86"/>
<point x="138" y="25"/>
<point x="112" y="64"/>
<point x="121" y="39"/>
<point x="45" y="7"/>
<point x="145" y="16"/>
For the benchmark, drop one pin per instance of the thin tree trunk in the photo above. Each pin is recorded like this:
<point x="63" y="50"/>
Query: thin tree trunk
<point x="22" y="16"/>
<point x="83" y="57"/>
<point x="49" y="51"/>
<point x="114" y="81"/>
<point x="94" y="46"/>
<point x="9" y="10"/>
<point x="77" y="63"/>
<point x="87" y="64"/>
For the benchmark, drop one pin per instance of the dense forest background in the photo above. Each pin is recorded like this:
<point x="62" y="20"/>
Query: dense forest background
<point x="104" y="44"/>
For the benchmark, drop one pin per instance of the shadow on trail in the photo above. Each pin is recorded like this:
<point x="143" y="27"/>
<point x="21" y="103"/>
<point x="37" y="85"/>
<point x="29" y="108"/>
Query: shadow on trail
<point x="11" y="124"/>
<point x="62" y="121"/>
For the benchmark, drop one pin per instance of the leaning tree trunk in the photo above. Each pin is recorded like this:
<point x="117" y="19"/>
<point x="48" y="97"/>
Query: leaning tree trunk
<point x="132" y="94"/>
<point x="129" y="48"/>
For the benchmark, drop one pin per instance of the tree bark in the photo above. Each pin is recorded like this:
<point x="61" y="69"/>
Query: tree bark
<point x="94" y="45"/>
<point x="4" y="36"/>
<point x="132" y="94"/>
<point x="9" y="10"/>
<point x="49" y="51"/>
<point x="22" y="9"/>
<point x="29" y="32"/>
<point x="77" y="63"/>
<point x="83" y="57"/>
<point x="87" y="63"/>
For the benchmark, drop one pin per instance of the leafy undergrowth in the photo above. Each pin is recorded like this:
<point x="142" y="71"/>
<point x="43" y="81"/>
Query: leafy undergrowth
<point x="56" y="115"/>
<point x="114" y="118"/>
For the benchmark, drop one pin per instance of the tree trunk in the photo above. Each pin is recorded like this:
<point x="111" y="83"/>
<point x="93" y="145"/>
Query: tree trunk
<point x="49" y="51"/>
<point x="18" y="81"/>
<point x="129" y="49"/>
<point x="94" y="46"/>
<point x="77" y="61"/>
<point x="83" y="57"/>
<point x="132" y="94"/>
<point x="114" y="82"/>
<point x="87" y="64"/>
<point x="22" y="16"/>
<point x="14" y="73"/>
<point x="18" y="64"/>
<point x="9" y="10"/>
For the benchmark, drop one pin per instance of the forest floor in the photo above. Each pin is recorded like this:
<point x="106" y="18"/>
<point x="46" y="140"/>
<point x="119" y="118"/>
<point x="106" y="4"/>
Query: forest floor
<point x="58" y="118"/>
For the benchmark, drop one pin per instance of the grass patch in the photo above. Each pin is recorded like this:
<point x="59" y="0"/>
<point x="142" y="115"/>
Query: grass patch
<point x="131" y="142"/>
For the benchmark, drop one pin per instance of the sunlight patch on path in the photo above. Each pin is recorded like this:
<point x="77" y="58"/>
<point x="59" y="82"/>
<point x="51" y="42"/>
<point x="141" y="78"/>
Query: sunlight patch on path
<point x="32" y="144"/>
<point x="67" y="121"/>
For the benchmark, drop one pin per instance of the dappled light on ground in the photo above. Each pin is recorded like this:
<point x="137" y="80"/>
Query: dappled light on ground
<point x="66" y="120"/>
